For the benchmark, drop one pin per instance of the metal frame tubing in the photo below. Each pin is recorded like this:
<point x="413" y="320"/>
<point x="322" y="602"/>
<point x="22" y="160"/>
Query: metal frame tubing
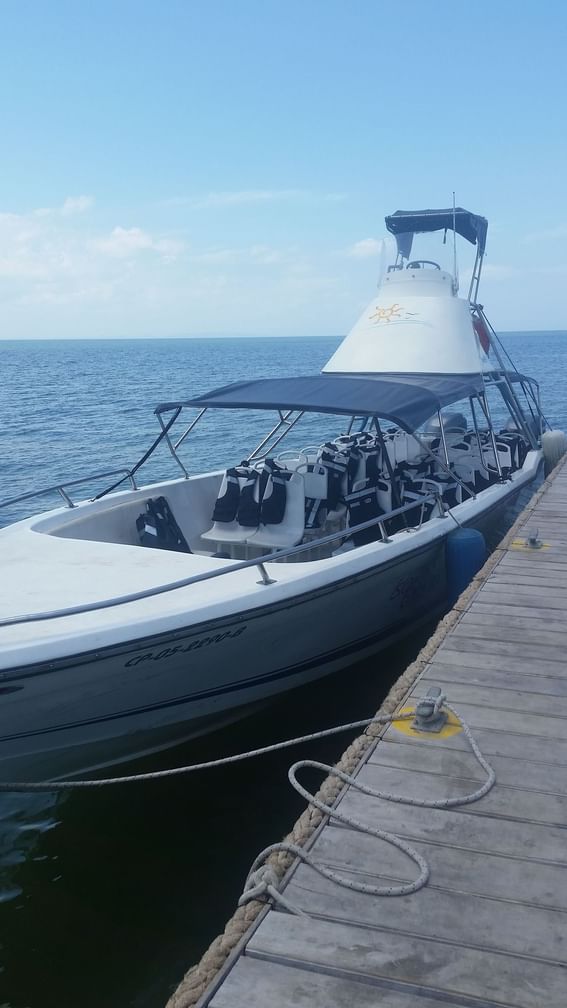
<point x="169" y="442"/>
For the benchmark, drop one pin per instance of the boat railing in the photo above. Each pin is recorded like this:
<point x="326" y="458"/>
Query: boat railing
<point x="258" y="562"/>
<point x="62" y="488"/>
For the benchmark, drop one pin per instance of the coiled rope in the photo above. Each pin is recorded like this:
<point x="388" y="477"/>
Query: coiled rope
<point x="262" y="880"/>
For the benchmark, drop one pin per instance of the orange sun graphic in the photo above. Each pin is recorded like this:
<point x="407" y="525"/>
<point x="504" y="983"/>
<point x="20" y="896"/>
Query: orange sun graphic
<point x="386" y="314"/>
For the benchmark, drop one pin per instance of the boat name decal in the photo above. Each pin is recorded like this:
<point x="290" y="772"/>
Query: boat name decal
<point x="408" y="591"/>
<point x="193" y="645"/>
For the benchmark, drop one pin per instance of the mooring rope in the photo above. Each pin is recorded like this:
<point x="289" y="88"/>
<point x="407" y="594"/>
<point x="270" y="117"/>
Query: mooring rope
<point x="73" y="785"/>
<point x="261" y="882"/>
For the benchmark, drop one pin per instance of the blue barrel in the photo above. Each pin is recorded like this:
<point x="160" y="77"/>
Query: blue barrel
<point x="465" y="555"/>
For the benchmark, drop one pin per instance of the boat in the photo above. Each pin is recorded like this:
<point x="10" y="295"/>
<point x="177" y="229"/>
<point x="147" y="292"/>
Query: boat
<point x="151" y="614"/>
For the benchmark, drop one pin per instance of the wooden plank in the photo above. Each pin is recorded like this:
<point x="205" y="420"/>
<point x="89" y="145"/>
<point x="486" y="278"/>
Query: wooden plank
<point x="463" y="918"/>
<point x="528" y="613"/>
<point x="446" y="675"/>
<point x="479" y="874"/>
<point x="539" y="652"/>
<point x="514" y="578"/>
<point x="255" y="983"/>
<point x="537" y="561"/>
<point x="507" y="700"/>
<point x="536" y="593"/>
<point x="528" y="579"/>
<point x="542" y="599"/>
<point x="500" y="802"/>
<point x="511" y="631"/>
<point x="480" y="716"/>
<point x="496" y="835"/>
<point x="533" y="560"/>
<point x="492" y="742"/>
<point x="484" y="617"/>
<point x="451" y="655"/>
<point x="433" y="966"/>
<point x="425" y="757"/>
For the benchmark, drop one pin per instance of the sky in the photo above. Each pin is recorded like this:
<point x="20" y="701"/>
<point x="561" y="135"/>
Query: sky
<point x="224" y="168"/>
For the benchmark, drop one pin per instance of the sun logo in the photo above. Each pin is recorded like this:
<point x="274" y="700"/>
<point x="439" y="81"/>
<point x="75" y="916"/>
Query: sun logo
<point x="386" y="314"/>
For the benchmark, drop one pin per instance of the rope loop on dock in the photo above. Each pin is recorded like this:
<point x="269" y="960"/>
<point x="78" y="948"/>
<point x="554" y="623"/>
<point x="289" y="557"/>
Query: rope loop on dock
<point x="260" y="883"/>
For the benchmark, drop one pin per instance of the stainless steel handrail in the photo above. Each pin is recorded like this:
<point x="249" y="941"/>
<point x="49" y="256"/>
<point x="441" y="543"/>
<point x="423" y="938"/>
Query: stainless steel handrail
<point x="233" y="568"/>
<point x="61" y="487"/>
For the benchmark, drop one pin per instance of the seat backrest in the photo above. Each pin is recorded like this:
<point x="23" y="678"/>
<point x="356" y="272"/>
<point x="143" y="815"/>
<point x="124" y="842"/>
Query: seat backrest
<point x="336" y="465"/>
<point x="362" y="506"/>
<point x="292" y="459"/>
<point x="315" y="485"/>
<point x="229" y="498"/>
<point x="288" y="508"/>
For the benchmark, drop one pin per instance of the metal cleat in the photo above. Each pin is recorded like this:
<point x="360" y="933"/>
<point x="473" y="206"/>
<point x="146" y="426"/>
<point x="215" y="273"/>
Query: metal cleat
<point x="429" y="716"/>
<point x="533" y="541"/>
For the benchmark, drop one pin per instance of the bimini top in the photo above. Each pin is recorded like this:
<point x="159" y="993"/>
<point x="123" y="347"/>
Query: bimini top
<point x="468" y="225"/>
<point x="406" y="400"/>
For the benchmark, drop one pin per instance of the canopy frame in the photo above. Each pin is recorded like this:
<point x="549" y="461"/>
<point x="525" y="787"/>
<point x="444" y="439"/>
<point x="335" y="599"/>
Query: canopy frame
<point x="404" y="224"/>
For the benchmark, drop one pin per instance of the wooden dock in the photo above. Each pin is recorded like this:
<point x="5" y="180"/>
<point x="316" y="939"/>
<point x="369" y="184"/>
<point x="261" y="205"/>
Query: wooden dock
<point x="490" y="928"/>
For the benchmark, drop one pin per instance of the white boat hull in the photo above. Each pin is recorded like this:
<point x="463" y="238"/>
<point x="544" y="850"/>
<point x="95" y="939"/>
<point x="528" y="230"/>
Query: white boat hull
<point x="92" y="709"/>
<point x="123" y="701"/>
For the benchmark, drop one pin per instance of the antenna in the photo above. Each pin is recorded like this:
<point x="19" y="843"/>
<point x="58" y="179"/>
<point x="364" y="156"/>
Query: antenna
<point x="455" y="269"/>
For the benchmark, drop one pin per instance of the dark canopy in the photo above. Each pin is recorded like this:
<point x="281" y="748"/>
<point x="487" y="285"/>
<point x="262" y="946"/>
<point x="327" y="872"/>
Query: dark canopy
<point x="468" y="225"/>
<point x="406" y="400"/>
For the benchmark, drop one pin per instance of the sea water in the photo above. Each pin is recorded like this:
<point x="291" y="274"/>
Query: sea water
<point x="106" y="897"/>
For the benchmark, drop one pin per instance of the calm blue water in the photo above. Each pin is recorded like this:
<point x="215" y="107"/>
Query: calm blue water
<point x="106" y="897"/>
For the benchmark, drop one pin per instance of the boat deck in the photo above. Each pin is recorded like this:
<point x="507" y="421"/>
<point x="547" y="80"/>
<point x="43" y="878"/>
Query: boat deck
<point x="490" y="928"/>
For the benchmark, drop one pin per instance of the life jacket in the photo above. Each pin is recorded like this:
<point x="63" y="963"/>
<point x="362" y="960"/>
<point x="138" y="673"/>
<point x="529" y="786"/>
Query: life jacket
<point x="158" y="529"/>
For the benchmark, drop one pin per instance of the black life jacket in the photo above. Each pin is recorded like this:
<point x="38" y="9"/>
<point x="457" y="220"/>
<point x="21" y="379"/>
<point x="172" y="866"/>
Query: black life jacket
<point x="226" y="507"/>
<point x="362" y="506"/>
<point x="158" y="529"/>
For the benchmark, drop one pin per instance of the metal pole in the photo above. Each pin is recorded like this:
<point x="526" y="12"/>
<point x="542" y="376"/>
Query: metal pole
<point x="443" y="438"/>
<point x="286" y="423"/>
<point x="476" y="430"/>
<point x="494" y="345"/>
<point x="389" y="467"/>
<point x="485" y="408"/>
<point x="170" y="445"/>
<point x="66" y="497"/>
<point x="190" y="428"/>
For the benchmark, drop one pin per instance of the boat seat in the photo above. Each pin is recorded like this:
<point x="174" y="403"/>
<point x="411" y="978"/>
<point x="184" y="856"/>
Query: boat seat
<point x="336" y="464"/>
<point x="315" y="486"/>
<point x="226" y="527"/>
<point x="292" y="460"/>
<point x="364" y="465"/>
<point x="288" y="531"/>
<point x="362" y="506"/>
<point x="466" y="472"/>
<point x="518" y="446"/>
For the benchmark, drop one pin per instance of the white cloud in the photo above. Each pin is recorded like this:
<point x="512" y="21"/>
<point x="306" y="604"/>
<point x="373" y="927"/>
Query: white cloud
<point x="76" y="205"/>
<point x="53" y="257"/>
<point x="124" y="243"/>
<point x="244" y="197"/>
<point x="262" y="255"/>
<point x="72" y="205"/>
<point x="365" y="249"/>
<point x="551" y="234"/>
